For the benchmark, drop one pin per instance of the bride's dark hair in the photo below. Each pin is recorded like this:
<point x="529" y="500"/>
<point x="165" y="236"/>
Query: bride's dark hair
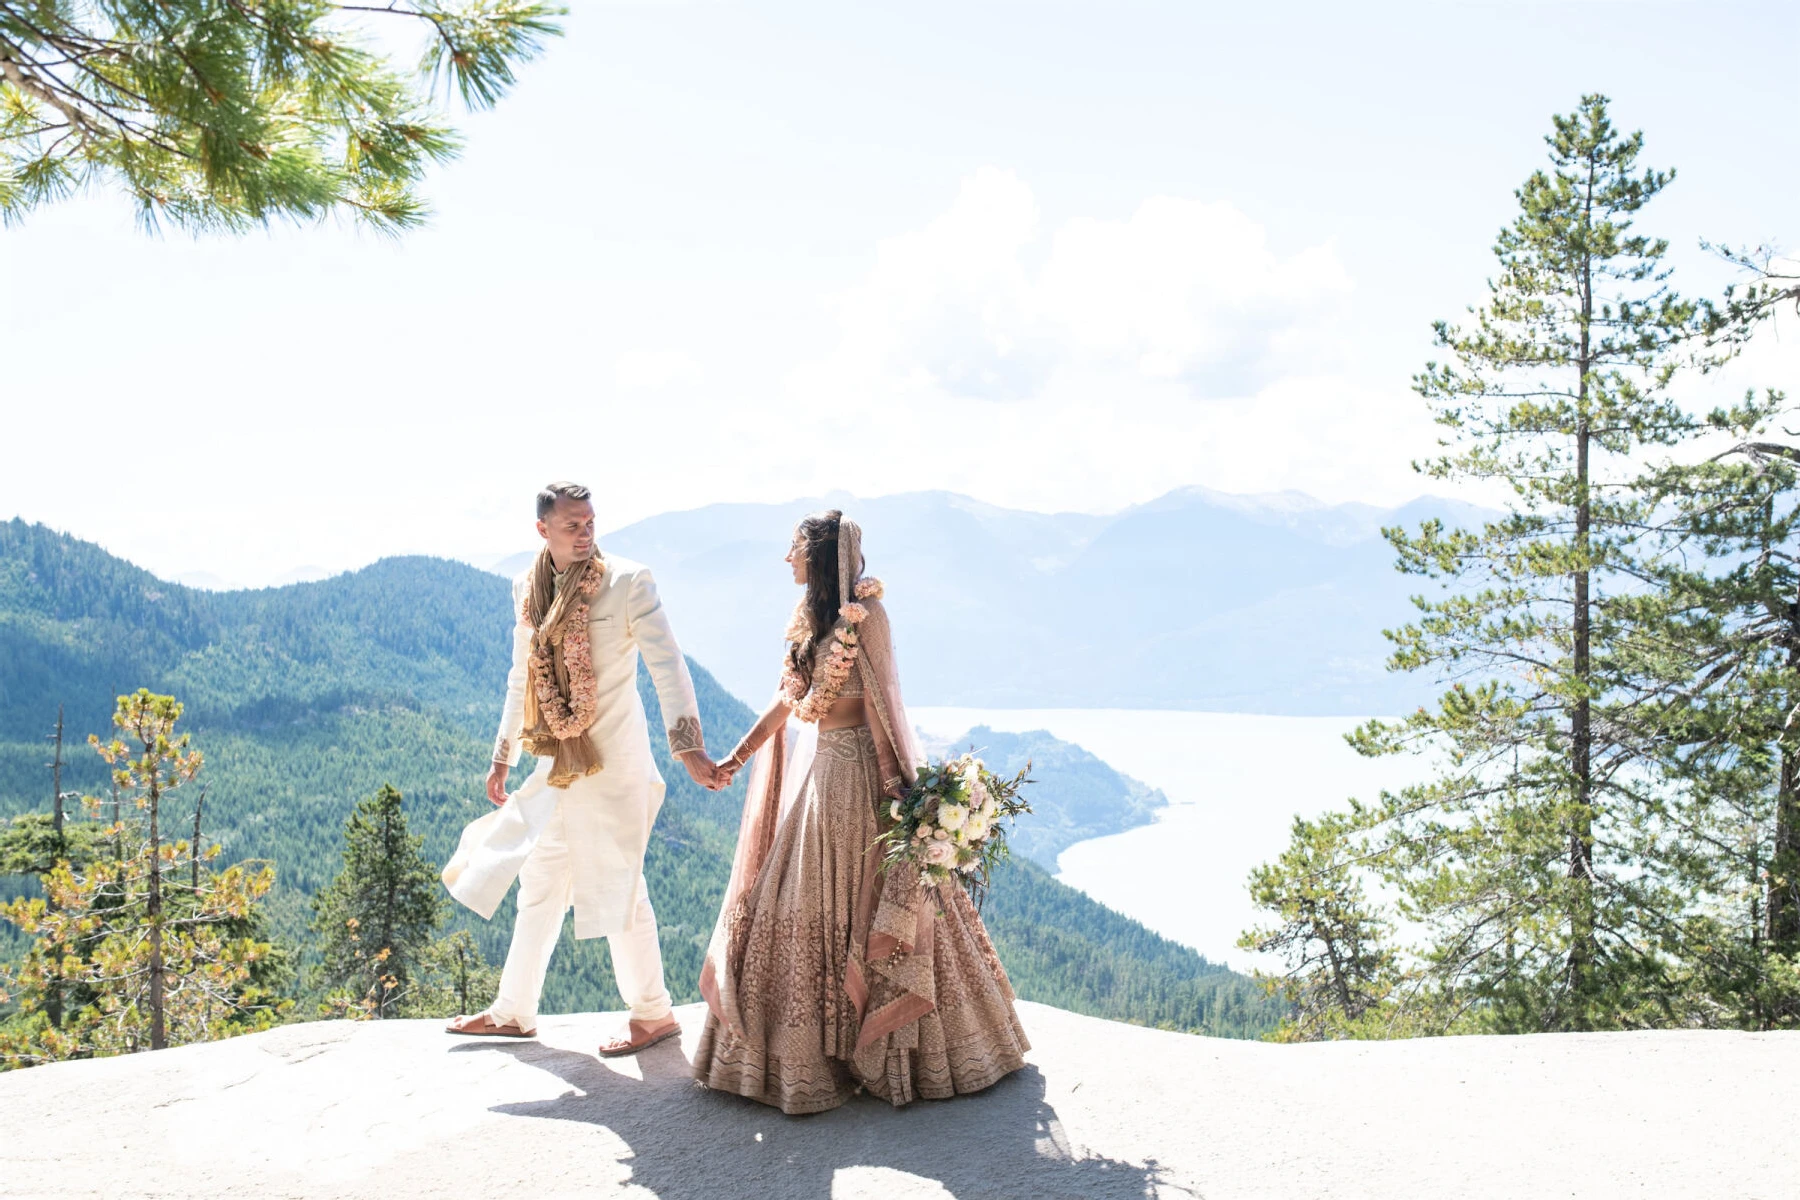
<point x="818" y="536"/>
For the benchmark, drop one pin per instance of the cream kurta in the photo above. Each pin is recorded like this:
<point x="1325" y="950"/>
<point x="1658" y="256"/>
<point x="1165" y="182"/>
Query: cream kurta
<point x="607" y="817"/>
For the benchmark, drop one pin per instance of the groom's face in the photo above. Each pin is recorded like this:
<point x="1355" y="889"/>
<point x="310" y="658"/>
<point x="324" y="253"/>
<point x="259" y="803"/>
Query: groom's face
<point x="569" y="528"/>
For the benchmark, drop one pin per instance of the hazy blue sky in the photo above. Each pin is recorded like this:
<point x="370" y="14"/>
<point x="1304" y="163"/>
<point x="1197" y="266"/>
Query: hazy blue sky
<point x="1055" y="255"/>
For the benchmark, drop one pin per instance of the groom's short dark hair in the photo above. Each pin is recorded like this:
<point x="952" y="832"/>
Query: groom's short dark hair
<point x="562" y="489"/>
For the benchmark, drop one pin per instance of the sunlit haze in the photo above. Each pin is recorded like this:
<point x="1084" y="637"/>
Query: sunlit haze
<point x="1055" y="257"/>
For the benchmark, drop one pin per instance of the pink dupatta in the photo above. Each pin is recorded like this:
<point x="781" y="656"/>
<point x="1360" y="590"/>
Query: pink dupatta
<point x="891" y="930"/>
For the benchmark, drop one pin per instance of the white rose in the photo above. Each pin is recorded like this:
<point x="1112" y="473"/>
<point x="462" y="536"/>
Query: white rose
<point x="952" y="816"/>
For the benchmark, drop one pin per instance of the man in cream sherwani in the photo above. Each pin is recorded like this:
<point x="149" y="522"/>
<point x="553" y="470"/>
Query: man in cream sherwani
<point x="582" y="844"/>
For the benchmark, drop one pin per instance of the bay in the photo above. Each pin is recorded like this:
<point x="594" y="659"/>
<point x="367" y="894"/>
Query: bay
<point x="1235" y="782"/>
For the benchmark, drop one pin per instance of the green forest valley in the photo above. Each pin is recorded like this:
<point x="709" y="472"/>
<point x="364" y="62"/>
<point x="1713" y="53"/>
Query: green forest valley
<point x="309" y="700"/>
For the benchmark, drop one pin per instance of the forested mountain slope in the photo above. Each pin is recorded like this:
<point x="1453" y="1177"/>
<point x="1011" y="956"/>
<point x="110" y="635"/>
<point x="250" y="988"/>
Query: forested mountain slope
<point x="306" y="697"/>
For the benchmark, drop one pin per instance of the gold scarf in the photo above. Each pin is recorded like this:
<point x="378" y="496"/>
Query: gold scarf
<point x="562" y="697"/>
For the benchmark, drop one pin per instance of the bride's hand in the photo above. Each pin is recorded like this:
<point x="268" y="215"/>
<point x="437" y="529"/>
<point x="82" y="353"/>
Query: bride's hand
<point x="702" y="769"/>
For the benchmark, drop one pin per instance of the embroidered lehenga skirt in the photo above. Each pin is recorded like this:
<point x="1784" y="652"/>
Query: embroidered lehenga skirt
<point x="804" y="980"/>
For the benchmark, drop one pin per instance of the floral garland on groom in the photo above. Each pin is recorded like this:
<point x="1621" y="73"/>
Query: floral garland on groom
<point x="563" y="701"/>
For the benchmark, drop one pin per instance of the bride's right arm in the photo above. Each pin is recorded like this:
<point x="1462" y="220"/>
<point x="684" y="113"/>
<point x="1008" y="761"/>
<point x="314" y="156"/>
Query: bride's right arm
<point x="762" y="731"/>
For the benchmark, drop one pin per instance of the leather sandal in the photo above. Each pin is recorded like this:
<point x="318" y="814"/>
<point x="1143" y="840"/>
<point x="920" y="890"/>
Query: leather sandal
<point x="636" y="1041"/>
<point x="483" y="1025"/>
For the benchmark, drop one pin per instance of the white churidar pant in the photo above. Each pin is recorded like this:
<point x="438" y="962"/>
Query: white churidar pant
<point x="546" y="891"/>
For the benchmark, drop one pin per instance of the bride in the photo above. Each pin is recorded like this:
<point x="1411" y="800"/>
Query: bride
<point x="826" y="973"/>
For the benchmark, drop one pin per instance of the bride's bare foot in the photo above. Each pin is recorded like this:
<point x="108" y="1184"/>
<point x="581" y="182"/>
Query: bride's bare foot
<point x="640" y="1035"/>
<point x="482" y="1025"/>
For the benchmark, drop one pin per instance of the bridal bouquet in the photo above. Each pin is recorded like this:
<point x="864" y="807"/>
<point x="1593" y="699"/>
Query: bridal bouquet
<point x="949" y="824"/>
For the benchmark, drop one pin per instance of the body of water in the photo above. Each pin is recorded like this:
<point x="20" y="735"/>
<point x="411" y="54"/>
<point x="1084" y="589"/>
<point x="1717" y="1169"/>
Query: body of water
<point x="1234" y="781"/>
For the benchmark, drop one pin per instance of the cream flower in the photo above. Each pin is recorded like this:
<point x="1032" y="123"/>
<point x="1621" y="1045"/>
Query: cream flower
<point x="977" y="828"/>
<point x="940" y="854"/>
<point x="952" y="816"/>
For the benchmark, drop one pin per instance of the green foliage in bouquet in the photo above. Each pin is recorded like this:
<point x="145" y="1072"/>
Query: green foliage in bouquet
<point x="949" y="825"/>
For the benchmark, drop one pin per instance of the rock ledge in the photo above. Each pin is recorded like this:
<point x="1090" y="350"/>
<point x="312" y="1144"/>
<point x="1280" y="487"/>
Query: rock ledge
<point x="399" y="1109"/>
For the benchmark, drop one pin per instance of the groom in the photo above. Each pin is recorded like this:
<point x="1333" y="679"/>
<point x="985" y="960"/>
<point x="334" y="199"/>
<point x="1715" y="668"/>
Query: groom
<point x="575" y="832"/>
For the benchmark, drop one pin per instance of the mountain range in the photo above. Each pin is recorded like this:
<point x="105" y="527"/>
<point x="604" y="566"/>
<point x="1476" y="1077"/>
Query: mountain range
<point x="1199" y="600"/>
<point x="306" y="697"/>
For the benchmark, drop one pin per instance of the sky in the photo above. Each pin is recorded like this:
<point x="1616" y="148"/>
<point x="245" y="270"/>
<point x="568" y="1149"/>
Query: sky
<point x="1057" y="256"/>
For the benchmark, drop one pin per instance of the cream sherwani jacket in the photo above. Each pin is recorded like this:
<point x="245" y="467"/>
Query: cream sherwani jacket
<point x="607" y="817"/>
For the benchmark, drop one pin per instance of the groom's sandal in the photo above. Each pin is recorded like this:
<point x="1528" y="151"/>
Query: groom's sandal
<point x="641" y="1035"/>
<point x="482" y="1025"/>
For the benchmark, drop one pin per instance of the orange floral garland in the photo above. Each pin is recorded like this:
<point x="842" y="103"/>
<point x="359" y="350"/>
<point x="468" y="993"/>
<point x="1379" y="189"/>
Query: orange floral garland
<point x="811" y="699"/>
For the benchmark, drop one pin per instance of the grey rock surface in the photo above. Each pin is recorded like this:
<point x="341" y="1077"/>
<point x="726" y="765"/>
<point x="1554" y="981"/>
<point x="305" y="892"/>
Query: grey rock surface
<point x="400" y="1109"/>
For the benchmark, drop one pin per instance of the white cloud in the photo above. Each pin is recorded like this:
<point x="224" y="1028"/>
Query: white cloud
<point x="654" y="370"/>
<point x="980" y="304"/>
<point x="1104" y="361"/>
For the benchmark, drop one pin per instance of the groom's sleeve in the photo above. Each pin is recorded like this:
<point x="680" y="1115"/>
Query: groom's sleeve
<point x="648" y="623"/>
<point x="512" y="715"/>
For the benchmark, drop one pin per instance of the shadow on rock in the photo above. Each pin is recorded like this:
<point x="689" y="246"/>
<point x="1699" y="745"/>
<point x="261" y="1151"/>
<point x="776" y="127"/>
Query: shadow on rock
<point x="690" y="1142"/>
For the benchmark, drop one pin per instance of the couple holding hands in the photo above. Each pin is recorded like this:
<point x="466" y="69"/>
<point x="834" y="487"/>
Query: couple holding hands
<point x="827" y="972"/>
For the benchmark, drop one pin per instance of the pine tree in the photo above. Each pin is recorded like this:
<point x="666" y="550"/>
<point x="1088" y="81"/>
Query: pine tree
<point x="378" y="919"/>
<point x="456" y="979"/>
<point x="223" y="115"/>
<point x="1521" y="858"/>
<point x="35" y="844"/>
<point x="1724" y="620"/>
<point x="149" y="959"/>
<point x="1341" y="969"/>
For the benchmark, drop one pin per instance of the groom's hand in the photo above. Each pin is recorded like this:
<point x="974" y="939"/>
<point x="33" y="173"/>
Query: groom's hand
<point x="702" y="769"/>
<point x="496" y="784"/>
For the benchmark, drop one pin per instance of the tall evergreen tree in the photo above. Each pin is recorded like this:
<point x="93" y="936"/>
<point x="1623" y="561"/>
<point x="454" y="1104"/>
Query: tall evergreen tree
<point x="378" y="919"/>
<point x="212" y="114"/>
<point x="1520" y="860"/>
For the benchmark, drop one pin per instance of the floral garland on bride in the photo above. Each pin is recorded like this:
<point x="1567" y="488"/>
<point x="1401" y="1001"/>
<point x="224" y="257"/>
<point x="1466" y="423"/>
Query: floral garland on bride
<point x="811" y="699"/>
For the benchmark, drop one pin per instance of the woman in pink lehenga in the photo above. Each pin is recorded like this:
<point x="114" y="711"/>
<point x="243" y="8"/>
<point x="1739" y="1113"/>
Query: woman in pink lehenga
<point x="826" y="972"/>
